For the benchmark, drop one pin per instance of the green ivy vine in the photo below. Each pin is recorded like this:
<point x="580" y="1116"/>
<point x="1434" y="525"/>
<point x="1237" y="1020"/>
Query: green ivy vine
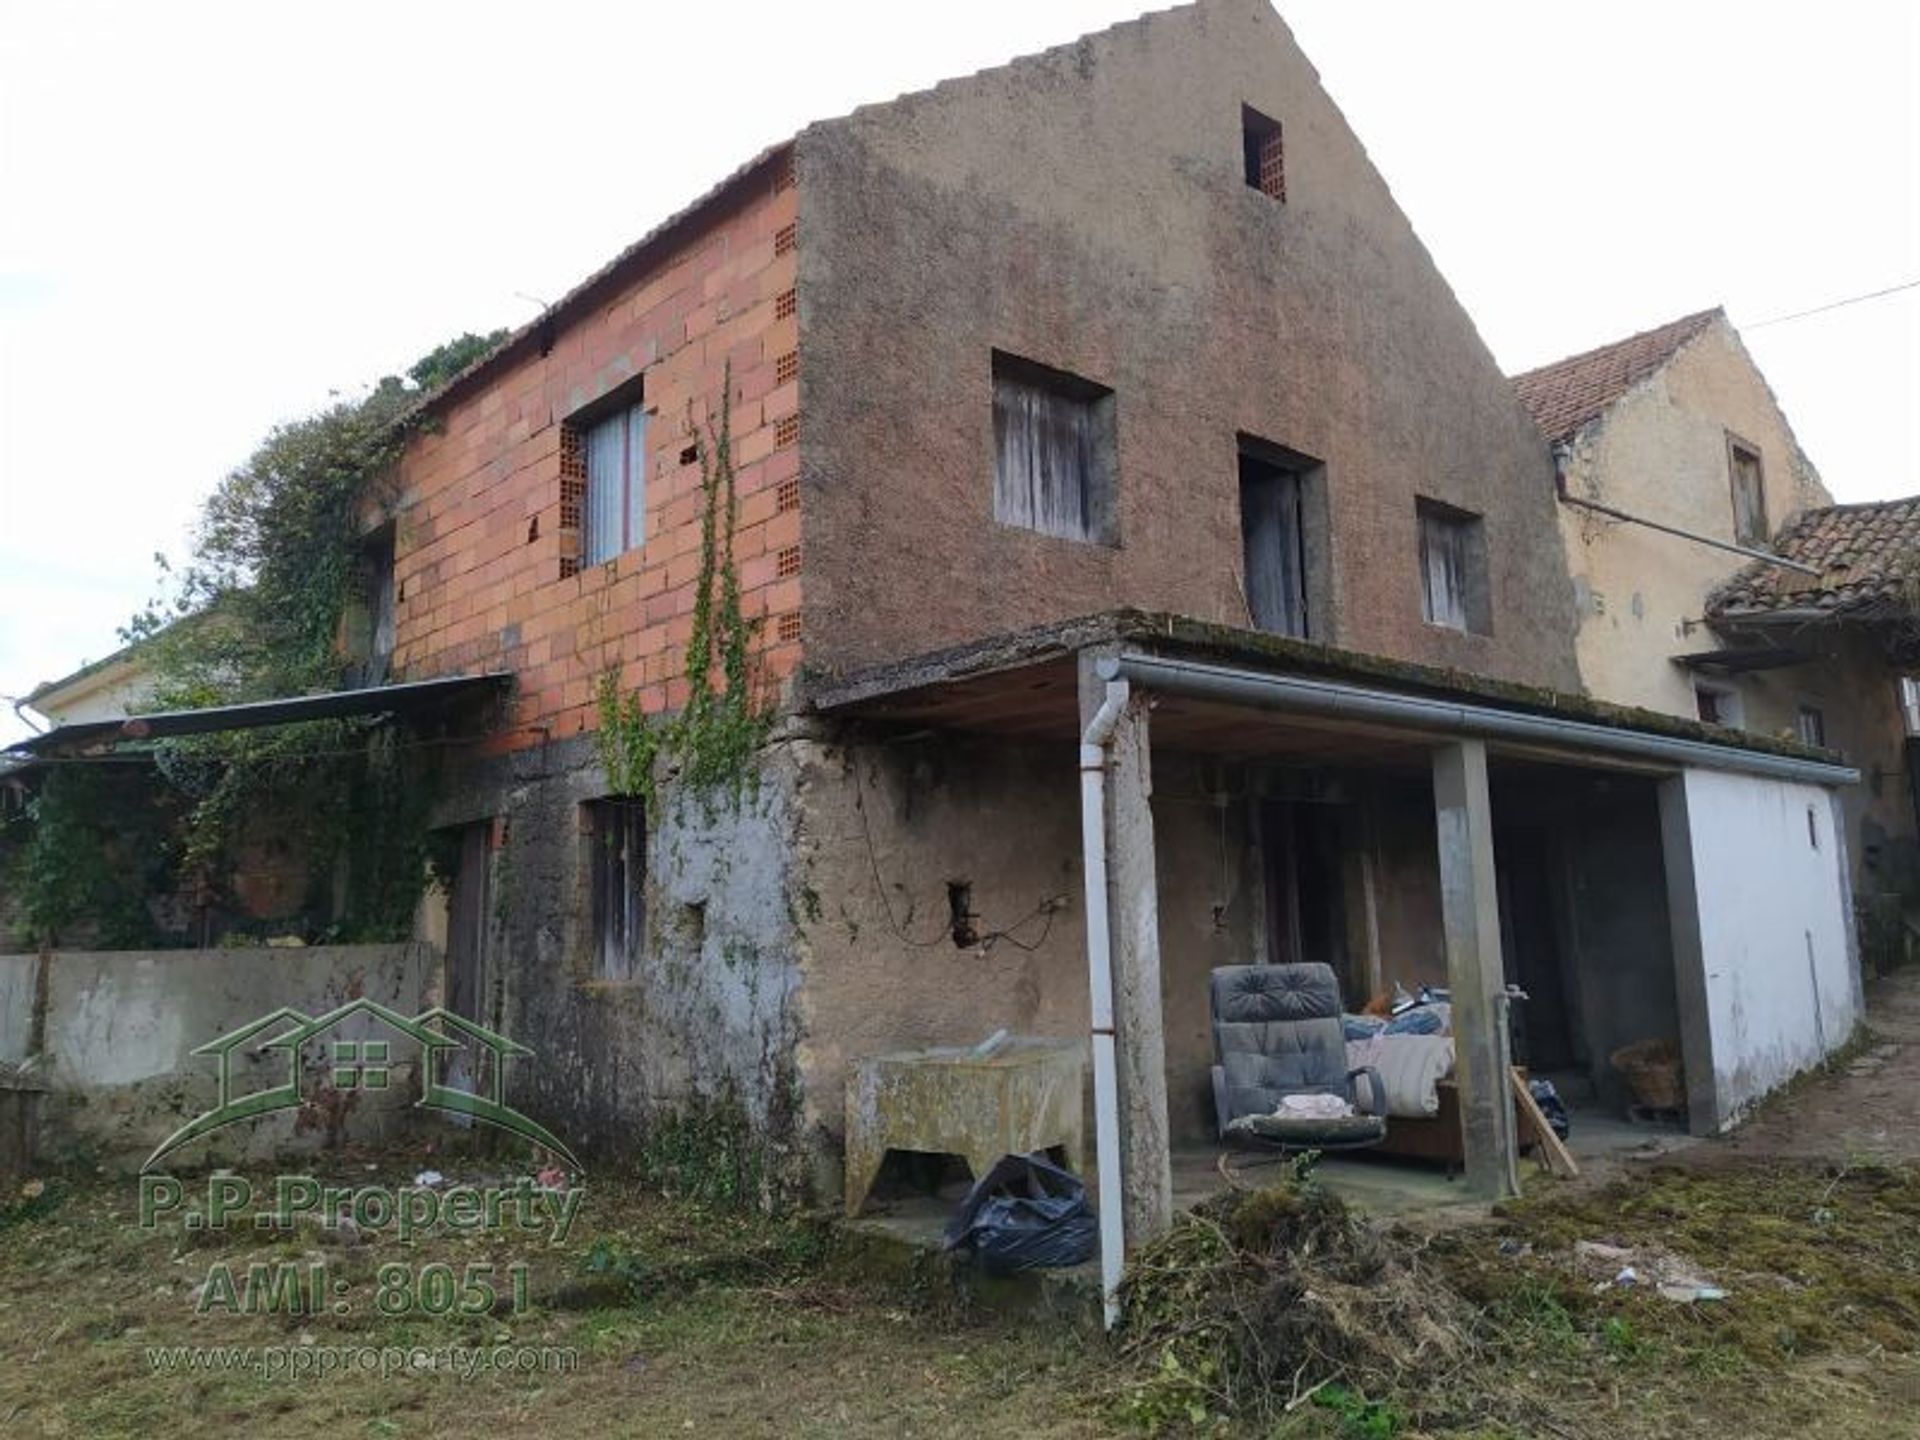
<point x="712" y="740"/>
<point x="276" y="568"/>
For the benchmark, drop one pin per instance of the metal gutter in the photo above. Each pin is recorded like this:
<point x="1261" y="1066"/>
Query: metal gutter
<point x="1454" y="717"/>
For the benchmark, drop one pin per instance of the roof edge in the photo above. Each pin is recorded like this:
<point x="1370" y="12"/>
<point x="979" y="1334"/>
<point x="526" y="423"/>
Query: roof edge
<point x="620" y="267"/>
<point x="1173" y="634"/>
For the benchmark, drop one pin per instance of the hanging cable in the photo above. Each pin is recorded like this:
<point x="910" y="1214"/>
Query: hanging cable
<point x="1834" y="305"/>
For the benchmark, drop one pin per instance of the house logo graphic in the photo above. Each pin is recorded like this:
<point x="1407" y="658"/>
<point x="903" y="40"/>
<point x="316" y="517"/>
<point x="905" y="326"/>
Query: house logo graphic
<point x="364" y="1065"/>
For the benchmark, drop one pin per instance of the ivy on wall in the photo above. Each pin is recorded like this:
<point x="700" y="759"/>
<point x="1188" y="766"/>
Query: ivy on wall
<point x="258" y="612"/>
<point x="711" y="741"/>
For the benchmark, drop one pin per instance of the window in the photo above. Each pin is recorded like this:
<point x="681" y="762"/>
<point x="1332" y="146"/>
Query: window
<point x="1453" y="569"/>
<point x="1276" y="530"/>
<point x="1717" y="704"/>
<point x="1810" y="725"/>
<point x="369" y="619"/>
<point x="617" y="841"/>
<point x="1749" y="495"/>
<point x="1910" y="704"/>
<point x="1263" y="153"/>
<point x="616" y="501"/>
<point x="1053" y="452"/>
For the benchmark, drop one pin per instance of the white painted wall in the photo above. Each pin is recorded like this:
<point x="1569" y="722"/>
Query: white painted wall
<point x="1781" y="985"/>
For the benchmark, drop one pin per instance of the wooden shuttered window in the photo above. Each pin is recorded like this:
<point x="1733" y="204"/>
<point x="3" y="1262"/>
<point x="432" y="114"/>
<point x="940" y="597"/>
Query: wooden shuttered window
<point x="1453" y="569"/>
<point x="1273" y="529"/>
<point x="1749" y="496"/>
<point x="617" y="833"/>
<point x="1053" y="452"/>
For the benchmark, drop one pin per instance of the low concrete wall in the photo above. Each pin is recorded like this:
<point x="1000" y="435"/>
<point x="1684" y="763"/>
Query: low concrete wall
<point x="121" y="1028"/>
<point x="1763" y="940"/>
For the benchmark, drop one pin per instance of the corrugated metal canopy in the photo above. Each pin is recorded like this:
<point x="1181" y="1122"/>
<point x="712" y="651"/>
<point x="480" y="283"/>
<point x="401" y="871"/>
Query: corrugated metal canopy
<point x="408" y="698"/>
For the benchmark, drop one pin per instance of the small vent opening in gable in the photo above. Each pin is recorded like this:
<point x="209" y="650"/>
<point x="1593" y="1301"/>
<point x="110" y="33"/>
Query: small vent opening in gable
<point x="1263" y="153"/>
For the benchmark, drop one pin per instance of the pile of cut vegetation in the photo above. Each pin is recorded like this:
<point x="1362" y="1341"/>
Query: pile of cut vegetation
<point x="1260" y="1302"/>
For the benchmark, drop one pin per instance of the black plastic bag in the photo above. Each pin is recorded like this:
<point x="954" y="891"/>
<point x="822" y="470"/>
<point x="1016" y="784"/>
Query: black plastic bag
<point x="1025" y="1213"/>
<point x="1552" y="1109"/>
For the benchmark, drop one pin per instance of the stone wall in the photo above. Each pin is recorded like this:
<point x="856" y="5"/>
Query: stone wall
<point x="709" y="1020"/>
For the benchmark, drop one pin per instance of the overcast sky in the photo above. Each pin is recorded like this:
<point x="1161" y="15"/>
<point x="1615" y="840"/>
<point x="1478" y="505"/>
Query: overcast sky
<point x="212" y="215"/>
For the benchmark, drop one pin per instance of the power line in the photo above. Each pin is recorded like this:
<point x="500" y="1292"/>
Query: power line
<point x="1834" y="305"/>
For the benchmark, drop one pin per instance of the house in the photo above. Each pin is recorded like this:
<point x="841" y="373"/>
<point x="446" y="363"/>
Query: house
<point x="1675" y="427"/>
<point x="1150" y="570"/>
<point x="1676" y="469"/>
<point x="1119" y="355"/>
<point x="109" y="689"/>
<point x="1850" y="614"/>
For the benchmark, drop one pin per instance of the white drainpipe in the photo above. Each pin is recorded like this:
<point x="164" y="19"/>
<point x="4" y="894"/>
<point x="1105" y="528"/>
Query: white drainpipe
<point x="1106" y="1089"/>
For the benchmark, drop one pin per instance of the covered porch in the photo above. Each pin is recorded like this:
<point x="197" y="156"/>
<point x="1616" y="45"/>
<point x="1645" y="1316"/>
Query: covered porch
<point x="1410" y="829"/>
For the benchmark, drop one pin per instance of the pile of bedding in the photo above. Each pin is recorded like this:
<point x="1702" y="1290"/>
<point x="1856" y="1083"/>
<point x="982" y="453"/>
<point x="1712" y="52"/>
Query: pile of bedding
<point x="1412" y="1052"/>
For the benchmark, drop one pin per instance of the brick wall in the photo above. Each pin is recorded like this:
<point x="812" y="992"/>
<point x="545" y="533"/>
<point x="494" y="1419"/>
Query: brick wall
<point x="482" y="560"/>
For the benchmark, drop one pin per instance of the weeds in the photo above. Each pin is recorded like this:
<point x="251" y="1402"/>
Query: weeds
<point x="1360" y="1418"/>
<point x="34" y="1199"/>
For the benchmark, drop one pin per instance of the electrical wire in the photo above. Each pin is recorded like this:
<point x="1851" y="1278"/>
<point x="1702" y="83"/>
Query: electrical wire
<point x="873" y="863"/>
<point x="1048" y="907"/>
<point x="1834" y="305"/>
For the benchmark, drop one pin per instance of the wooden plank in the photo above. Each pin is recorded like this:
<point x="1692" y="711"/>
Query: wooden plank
<point x="1558" y="1158"/>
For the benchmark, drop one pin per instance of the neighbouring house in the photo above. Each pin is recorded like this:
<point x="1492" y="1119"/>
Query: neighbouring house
<point x="1851" y="618"/>
<point x="109" y="689"/>
<point x="1676" y="468"/>
<point x="1152" y="571"/>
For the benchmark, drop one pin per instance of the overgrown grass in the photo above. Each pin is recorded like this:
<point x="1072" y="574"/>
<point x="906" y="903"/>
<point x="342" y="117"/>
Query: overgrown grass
<point x="688" y="1318"/>
<point x="1274" y="1313"/>
<point x="1277" y="1315"/>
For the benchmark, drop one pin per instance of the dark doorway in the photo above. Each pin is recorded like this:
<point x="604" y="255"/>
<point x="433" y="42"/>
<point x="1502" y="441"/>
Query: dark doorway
<point x="1306" y="889"/>
<point x="1543" y="1032"/>
<point x="467" y="950"/>
<point x="1273" y="529"/>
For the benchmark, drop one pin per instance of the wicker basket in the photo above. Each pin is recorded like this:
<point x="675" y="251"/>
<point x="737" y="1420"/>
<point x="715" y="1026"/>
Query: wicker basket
<point x="1654" y="1073"/>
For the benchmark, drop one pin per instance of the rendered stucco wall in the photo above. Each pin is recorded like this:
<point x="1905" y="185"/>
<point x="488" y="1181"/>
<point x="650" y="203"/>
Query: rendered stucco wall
<point x="891" y="820"/>
<point x="122" y="1025"/>
<point x="1763" y="939"/>
<point x="1086" y="209"/>
<point x="1661" y="453"/>
<point x="710" y="1016"/>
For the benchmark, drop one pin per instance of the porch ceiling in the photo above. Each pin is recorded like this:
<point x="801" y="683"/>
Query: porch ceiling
<point x="1241" y="695"/>
<point x="1040" y="701"/>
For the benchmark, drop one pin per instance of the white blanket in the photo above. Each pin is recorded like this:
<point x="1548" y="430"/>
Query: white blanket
<point x="1312" y="1107"/>
<point x="1410" y="1066"/>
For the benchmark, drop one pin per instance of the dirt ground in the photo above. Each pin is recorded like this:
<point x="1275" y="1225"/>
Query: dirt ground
<point x="1870" y="1108"/>
<point x="686" y="1320"/>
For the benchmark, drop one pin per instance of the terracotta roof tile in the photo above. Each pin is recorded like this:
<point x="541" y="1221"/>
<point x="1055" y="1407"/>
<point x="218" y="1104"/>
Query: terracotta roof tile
<point x="1866" y="555"/>
<point x="1564" y="396"/>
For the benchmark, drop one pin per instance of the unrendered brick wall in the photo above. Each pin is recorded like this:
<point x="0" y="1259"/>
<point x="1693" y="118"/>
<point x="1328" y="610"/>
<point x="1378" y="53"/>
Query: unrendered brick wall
<point x="485" y="566"/>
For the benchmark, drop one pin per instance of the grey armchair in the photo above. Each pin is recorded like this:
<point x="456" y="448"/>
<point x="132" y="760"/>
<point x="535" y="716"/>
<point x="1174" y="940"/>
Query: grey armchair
<point x="1277" y="1032"/>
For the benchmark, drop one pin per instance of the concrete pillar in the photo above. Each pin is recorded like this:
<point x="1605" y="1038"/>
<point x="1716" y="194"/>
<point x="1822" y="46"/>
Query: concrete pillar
<point x="1470" y="905"/>
<point x="1704" y="1113"/>
<point x="1133" y="911"/>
